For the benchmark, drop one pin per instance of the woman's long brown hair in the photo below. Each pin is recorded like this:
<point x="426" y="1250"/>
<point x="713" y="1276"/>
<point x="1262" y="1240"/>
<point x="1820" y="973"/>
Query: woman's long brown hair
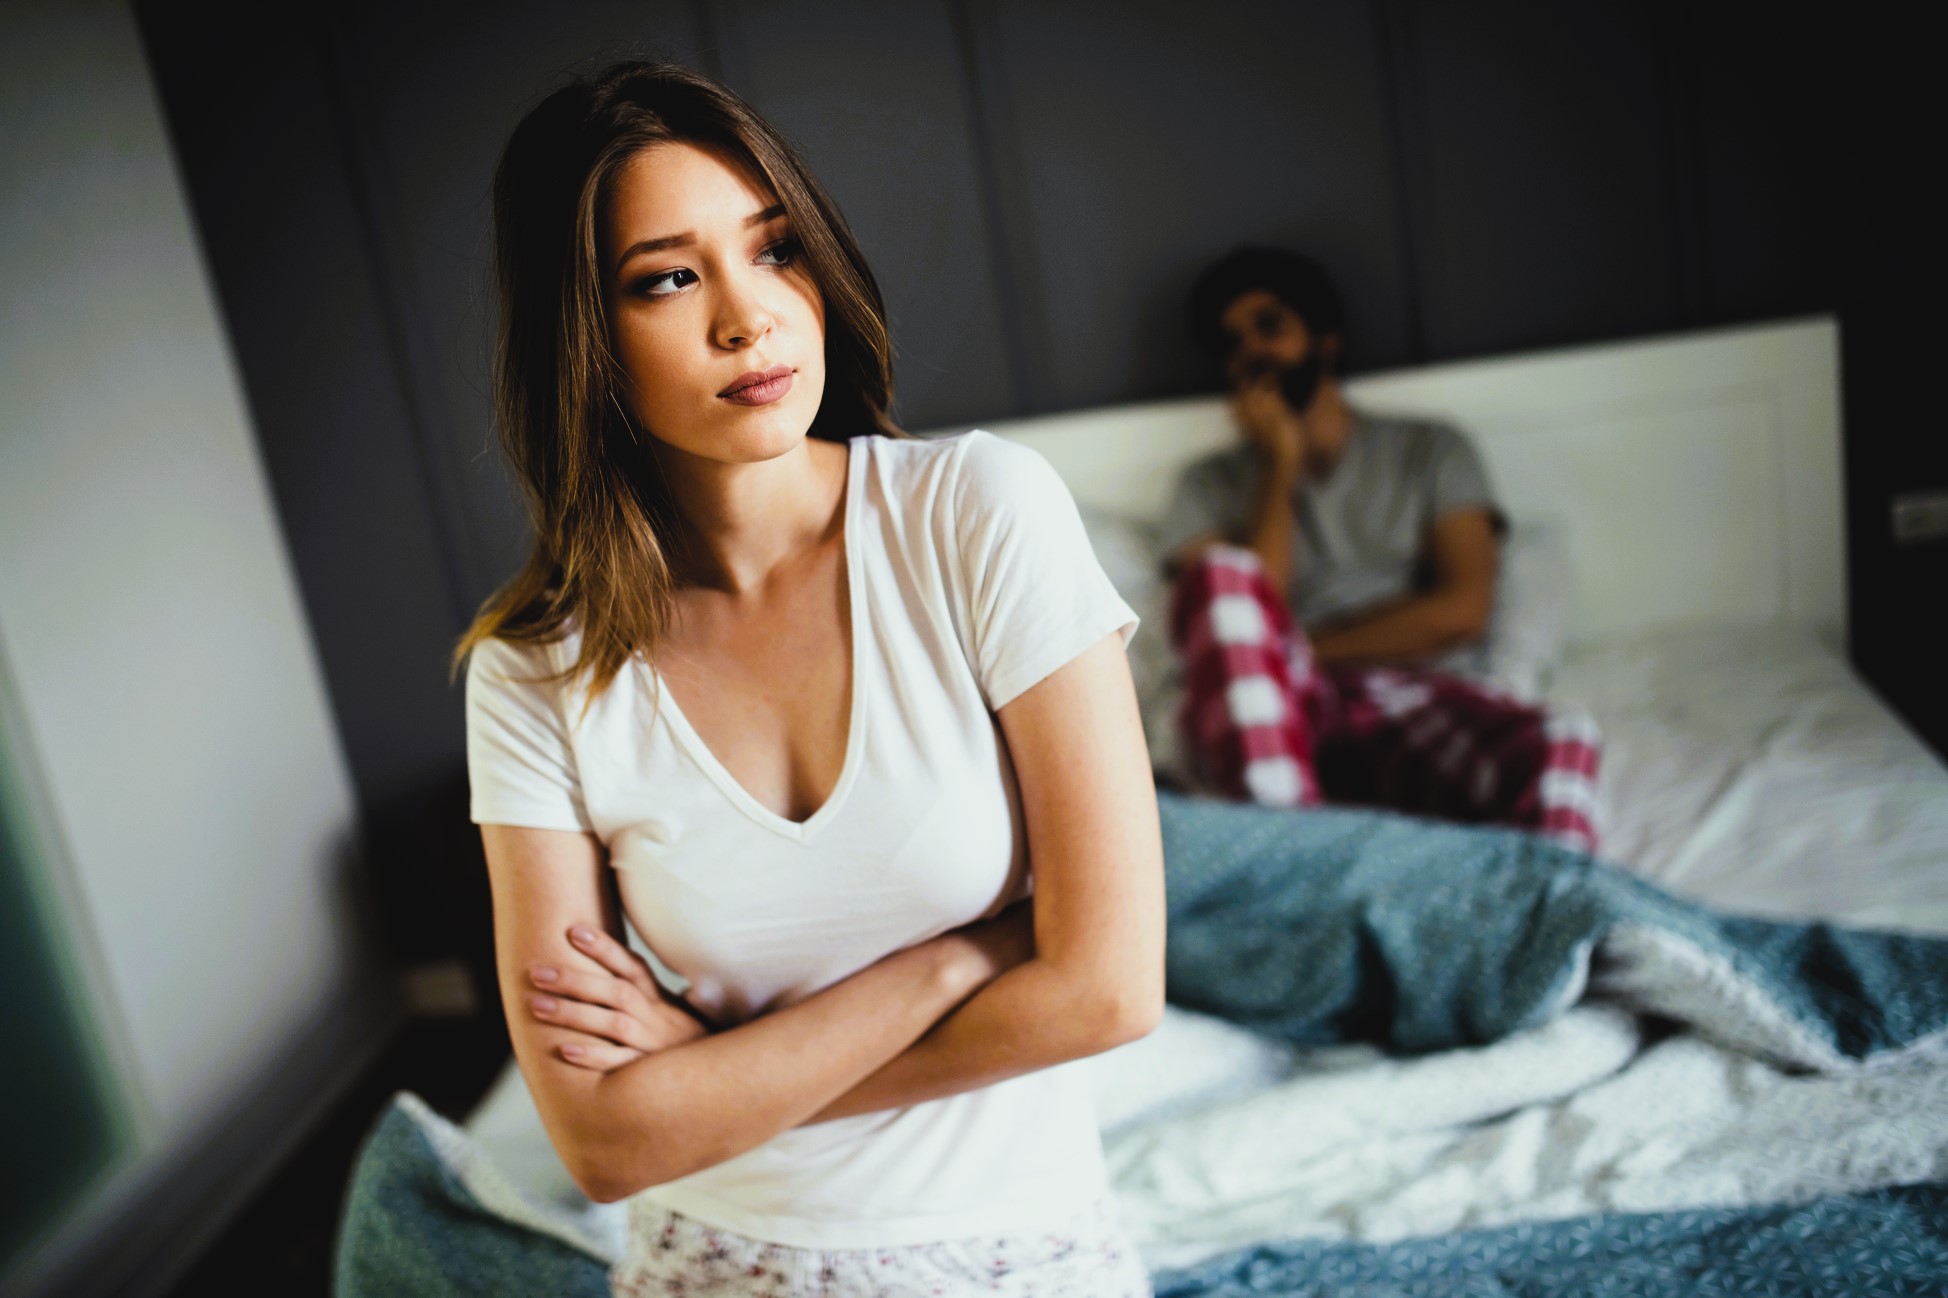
<point x="603" y="522"/>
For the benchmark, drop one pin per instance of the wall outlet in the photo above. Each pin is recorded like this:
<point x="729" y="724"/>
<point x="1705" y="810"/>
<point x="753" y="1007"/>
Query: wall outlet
<point x="440" y="989"/>
<point x="1920" y="517"/>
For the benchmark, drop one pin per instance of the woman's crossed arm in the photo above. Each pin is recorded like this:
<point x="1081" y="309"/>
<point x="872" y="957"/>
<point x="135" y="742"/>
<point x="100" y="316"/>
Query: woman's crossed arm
<point x="1095" y="978"/>
<point x="700" y="1098"/>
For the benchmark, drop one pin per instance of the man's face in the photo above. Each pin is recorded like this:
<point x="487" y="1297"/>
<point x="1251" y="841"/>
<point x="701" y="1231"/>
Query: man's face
<point x="1264" y="336"/>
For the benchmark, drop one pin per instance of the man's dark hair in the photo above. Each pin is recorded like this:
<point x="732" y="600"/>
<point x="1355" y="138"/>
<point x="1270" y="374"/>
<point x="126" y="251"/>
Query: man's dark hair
<point x="1296" y="280"/>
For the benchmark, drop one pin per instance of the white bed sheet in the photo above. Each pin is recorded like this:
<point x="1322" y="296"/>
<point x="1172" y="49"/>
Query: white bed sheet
<point x="1748" y="767"/>
<point x="1745" y="766"/>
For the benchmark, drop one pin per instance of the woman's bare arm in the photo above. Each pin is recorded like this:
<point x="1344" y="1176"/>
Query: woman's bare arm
<point x="1095" y="979"/>
<point x="677" y="1110"/>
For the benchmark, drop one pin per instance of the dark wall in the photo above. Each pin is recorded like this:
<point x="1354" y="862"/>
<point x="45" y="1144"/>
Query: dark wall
<point x="1035" y="185"/>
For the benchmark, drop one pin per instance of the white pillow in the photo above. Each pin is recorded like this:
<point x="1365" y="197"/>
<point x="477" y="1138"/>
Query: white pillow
<point x="1535" y="600"/>
<point x="1130" y="555"/>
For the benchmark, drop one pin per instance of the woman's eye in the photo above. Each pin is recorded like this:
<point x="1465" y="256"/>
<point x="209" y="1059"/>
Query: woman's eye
<point x="647" y="286"/>
<point x="786" y="250"/>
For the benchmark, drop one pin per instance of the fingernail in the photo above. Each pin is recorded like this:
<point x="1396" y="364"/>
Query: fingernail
<point x="581" y="934"/>
<point x="546" y="1004"/>
<point x="544" y="973"/>
<point x="573" y="1052"/>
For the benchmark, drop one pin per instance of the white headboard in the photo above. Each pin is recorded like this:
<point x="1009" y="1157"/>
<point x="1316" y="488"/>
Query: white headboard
<point x="1697" y="476"/>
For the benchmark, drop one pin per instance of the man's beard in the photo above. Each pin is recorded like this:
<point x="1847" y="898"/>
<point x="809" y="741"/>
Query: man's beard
<point x="1297" y="384"/>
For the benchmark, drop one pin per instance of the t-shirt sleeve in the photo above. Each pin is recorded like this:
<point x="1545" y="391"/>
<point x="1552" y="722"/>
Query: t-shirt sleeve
<point x="520" y="765"/>
<point x="1200" y="503"/>
<point x="1457" y="478"/>
<point x="1035" y="594"/>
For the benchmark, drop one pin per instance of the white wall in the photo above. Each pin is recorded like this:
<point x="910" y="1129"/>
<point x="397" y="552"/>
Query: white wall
<point x="163" y="671"/>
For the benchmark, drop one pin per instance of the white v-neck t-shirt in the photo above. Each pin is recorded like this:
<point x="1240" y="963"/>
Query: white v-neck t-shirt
<point x="971" y="579"/>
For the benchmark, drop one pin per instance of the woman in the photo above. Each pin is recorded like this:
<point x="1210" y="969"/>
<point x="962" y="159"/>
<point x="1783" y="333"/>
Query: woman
<point x="817" y="694"/>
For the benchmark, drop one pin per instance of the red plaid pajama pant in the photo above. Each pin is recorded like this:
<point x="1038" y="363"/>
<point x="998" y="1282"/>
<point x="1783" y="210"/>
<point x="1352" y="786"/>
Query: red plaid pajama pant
<point x="1262" y="721"/>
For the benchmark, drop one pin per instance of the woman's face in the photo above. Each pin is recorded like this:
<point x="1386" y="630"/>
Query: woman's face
<point x="705" y="288"/>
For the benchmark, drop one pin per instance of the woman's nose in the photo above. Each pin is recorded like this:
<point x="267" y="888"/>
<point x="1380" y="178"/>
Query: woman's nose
<point x="743" y="318"/>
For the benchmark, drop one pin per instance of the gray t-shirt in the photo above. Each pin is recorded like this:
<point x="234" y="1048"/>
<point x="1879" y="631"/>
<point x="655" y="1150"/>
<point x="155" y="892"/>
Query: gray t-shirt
<point x="1361" y="537"/>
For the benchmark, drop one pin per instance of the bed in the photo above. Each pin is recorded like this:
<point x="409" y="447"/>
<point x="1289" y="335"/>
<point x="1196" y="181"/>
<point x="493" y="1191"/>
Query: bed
<point x="1677" y="574"/>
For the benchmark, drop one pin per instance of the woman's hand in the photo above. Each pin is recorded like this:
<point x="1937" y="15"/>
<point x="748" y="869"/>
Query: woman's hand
<point x="997" y="945"/>
<point x="624" y="1013"/>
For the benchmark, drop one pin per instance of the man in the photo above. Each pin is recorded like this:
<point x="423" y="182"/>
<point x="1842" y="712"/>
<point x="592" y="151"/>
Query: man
<point x="1382" y="533"/>
<point x="1367" y="550"/>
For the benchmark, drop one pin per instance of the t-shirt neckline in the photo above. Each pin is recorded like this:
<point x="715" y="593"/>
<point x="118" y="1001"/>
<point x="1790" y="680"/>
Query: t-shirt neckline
<point x="801" y="831"/>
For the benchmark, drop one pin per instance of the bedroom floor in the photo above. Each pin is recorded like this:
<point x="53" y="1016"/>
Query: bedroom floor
<point x="282" y="1241"/>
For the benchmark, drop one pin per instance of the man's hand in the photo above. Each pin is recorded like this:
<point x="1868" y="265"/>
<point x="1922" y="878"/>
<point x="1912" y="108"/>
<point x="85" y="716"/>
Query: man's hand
<point x="624" y="1014"/>
<point x="1267" y="423"/>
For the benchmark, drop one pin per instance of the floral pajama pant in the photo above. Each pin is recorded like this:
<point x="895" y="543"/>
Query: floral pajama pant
<point x="671" y="1254"/>
<point x="1263" y="722"/>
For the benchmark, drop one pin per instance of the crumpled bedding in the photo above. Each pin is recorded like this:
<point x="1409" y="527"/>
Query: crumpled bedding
<point x="1711" y="1059"/>
<point x="1597" y="1111"/>
<point x="1744" y="766"/>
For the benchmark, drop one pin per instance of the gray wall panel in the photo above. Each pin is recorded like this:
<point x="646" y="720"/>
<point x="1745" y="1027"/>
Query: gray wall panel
<point x="1548" y="205"/>
<point x="1780" y="192"/>
<point x="873" y="93"/>
<point x="308" y="312"/>
<point x="1144" y="154"/>
<point x="431" y="92"/>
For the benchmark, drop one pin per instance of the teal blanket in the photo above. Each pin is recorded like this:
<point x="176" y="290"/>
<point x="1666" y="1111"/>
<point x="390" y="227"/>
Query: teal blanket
<point x="1874" y="1245"/>
<point x="1338" y="925"/>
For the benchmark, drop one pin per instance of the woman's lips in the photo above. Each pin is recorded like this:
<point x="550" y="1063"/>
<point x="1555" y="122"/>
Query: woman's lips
<point x="763" y="392"/>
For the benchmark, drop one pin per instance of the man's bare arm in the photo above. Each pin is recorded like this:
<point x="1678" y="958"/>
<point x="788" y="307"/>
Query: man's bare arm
<point x="1269" y="533"/>
<point x="1465" y="554"/>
